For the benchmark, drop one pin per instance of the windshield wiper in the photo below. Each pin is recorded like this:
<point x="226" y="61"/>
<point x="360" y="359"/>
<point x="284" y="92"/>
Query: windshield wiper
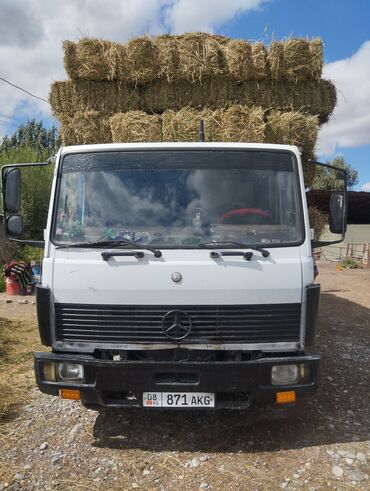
<point x="111" y="244"/>
<point x="223" y="243"/>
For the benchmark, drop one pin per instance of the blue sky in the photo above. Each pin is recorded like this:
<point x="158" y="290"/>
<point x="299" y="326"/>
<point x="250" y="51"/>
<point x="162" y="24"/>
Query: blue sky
<point x="31" y="35"/>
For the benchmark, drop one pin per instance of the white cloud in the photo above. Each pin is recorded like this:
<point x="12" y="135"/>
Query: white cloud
<point x="205" y="15"/>
<point x="366" y="187"/>
<point x="350" y="123"/>
<point x="32" y="32"/>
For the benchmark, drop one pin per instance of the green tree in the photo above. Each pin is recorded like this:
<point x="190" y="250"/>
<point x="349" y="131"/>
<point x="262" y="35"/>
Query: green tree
<point x="33" y="135"/>
<point x="331" y="180"/>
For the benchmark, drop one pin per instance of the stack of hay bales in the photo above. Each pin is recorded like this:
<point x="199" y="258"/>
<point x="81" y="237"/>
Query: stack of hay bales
<point x="158" y="89"/>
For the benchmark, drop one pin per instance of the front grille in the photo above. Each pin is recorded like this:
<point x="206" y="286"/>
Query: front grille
<point x="210" y="323"/>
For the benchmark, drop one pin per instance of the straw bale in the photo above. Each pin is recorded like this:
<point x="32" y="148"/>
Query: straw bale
<point x="296" y="59"/>
<point x="318" y="219"/>
<point x="293" y="128"/>
<point x="91" y="127"/>
<point x="67" y="131"/>
<point x="243" y="124"/>
<point x="118" y="62"/>
<point x="70" y="59"/>
<point x="168" y="56"/>
<point x="317" y="58"/>
<point x="142" y="60"/>
<point x="239" y="59"/>
<point x="136" y="126"/>
<point x="93" y="57"/>
<point x="181" y="125"/>
<point x="309" y="173"/>
<point x="312" y="97"/>
<point x="275" y="59"/>
<point x="260" y="64"/>
<point x="200" y="55"/>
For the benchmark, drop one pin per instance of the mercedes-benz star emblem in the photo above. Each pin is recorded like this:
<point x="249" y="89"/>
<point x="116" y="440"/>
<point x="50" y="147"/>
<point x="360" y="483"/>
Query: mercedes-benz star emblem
<point x="176" y="277"/>
<point x="176" y="325"/>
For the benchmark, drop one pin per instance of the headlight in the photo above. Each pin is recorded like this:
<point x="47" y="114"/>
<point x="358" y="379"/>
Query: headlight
<point x="284" y="374"/>
<point x="49" y="371"/>
<point x="70" y="372"/>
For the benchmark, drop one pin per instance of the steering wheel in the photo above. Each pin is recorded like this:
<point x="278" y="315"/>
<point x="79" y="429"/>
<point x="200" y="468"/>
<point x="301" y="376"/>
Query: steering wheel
<point x="263" y="216"/>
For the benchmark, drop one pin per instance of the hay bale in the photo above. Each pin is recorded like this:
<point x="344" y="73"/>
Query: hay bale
<point x="309" y="173"/>
<point x="70" y="59"/>
<point x="200" y="55"/>
<point x="136" y="126"/>
<point x="275" y="59"/>
<point x="239" y="60"/>
<point x="93" y="58"/>
<point x="168" y="56"/>
<point x="118" y="62"/>
<point x="260" y="63"/>
<point x="91" y="127"/>
<point x="142" y="60"/>
<point x="66" y="130"/>
<point x="108" y="98"/>
<point x="318" y="219"/>
<point x="295" y="59"/>
<point x="317" y="58"/>
<point x="62" y="98"/>
<point x="293" y="128"/>
<point x="181" y="126"/>
<point x="243" y="124"/>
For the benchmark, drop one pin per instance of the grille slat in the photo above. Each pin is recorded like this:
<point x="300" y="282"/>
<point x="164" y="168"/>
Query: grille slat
<point x="143" y="324"/>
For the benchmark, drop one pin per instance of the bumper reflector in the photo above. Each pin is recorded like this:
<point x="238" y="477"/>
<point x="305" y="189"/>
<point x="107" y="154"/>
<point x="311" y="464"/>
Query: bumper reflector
<point x="73" y="394"/>
<point x="285" y="397"/>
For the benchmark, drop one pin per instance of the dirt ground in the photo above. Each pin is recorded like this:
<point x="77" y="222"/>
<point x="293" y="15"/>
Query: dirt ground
<point x="322" y="443"/>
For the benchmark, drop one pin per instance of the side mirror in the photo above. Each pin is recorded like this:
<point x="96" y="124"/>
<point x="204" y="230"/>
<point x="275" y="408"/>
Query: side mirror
<point x="25" y="214"/>
<point x="14" y="226"/>
<point x="337" y="216"/>
<point x="12" y="189"/>
<point x="327" y="198"/>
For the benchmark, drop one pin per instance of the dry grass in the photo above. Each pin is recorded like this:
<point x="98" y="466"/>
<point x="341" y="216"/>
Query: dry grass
<point x="261" y="70"/>
<point x="295" y="59"/>
<point x="84" y="128"/>
<point x="239" y="59"/>
<point x="237" y="123"/>
<point x="18" y="341"/>
<point x="243" y="124"/>
<point x="136" y="126"/>
<point x="318" y="220"/>
<point x="108" y="98"/>
<point x="168" y="57"/>
<point x="192" y="57"/>
<point x="293" y="128"/>
<point x="200" y="55"/>
<point x="142" y="60"/>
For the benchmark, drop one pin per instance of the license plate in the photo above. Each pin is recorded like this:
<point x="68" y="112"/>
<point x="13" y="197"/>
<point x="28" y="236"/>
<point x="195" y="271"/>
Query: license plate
<point x="178" y="399"/>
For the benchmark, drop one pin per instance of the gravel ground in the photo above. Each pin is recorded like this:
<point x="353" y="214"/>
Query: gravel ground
<point x="322" y="443"/>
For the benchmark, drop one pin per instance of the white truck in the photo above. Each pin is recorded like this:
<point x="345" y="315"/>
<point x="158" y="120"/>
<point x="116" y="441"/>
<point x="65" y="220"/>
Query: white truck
<point x="176" y="275"/>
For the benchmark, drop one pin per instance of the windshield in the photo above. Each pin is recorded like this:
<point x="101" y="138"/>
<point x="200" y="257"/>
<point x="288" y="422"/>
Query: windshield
<point x="179" y="198"/>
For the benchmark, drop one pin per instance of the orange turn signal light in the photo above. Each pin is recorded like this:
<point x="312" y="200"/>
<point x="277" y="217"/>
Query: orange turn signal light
<point x="73" y="394"/>
<point x="285" y="397"/>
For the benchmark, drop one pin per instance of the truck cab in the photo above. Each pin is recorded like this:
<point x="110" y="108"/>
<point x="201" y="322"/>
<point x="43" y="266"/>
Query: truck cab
<point x="177" y="275"/>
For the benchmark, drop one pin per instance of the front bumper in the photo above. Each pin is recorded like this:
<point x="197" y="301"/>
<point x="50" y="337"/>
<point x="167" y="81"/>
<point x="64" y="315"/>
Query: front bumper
<point x="237" y="384"/>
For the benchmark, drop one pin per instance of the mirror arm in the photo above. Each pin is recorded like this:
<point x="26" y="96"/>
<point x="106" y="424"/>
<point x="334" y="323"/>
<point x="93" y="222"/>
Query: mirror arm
<point x="33" y="243"/>
<point x="324" y="243"/>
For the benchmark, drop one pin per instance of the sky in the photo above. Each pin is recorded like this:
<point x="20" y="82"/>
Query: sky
<point x="32" y="32"/>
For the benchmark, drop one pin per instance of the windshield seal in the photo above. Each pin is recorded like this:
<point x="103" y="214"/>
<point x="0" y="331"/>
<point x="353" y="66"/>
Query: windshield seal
<point x="299" y="198"/>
